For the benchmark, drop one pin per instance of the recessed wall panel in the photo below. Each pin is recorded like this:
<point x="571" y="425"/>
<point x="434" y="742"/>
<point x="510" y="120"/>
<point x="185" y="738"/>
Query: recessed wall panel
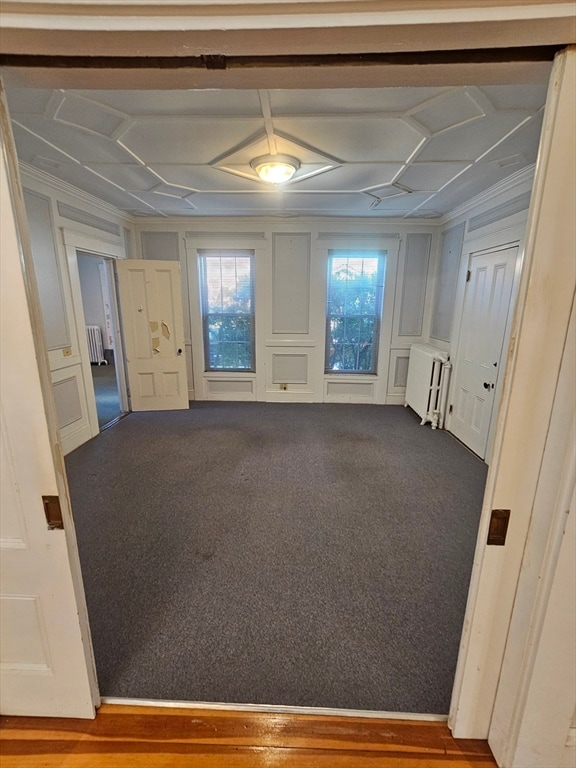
<point x="160" y="245"/>
<point x="350" y="388"/>
<point x="290" y="369"/>
<point x="401" y="371"/>
<point x="446" y="283"/>
<point x="290" y="283"/>
<point x="414" y="284"/>
<point x="217" y="387"/>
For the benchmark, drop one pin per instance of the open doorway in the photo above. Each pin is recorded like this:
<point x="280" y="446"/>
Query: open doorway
<point x="97" y="302"/>
<point x="215" y="387"/>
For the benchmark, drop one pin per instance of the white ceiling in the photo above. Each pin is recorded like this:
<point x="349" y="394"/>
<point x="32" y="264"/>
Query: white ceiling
<point x="364" y="152"/>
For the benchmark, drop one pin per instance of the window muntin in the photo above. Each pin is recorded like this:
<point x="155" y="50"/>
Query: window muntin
<point x="227" y="285"/>
<point x="354" y="310"/>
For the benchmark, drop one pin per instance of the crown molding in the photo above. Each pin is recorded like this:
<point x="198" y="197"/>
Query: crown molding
<point x="28" y="171"/>
<point x="522" y="178"/>
<point x="380" y="224"/>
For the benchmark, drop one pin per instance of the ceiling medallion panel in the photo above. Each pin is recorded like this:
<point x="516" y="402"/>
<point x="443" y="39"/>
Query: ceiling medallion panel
<point x="239" y="160"/>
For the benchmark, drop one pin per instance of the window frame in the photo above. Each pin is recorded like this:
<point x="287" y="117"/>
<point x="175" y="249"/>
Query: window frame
<point x="381" y="255"/>
<point x="203" y="253"/>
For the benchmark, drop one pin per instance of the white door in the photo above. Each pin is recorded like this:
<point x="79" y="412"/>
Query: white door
<point x="150" y="301"/>
<point x="46" y="665"/>
<point x="478" y="360"/>
<point x="65" y="338"/>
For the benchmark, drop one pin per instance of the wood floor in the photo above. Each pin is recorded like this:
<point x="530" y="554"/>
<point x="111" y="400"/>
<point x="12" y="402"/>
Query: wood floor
<point x="156" y="737"/>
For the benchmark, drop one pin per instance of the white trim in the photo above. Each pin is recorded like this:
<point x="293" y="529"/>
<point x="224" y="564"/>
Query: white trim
<point x="99" y="246"/>
<point x="276" y="709"/>
<point x="79" y="241"/>
<point x="519" y="179"/>
<point x="29" y="171"/>
<point x="537" y="343"/>
<point x="290" y="342"/>
<point x="327" y="226"/>
<point x="188" y="20"/>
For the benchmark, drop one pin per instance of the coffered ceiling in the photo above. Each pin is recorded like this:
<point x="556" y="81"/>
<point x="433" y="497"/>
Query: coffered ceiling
<point x="408" y="152"/>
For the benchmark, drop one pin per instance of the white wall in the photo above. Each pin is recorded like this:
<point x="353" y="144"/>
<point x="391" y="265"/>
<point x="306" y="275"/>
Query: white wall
<point x="502" y="208"/>
<point x="290" y="299"/>
<point x="423" y="299"/>
<point x="91" y="287"/>
<point x="423" y="296"/>
<point x="494" y="219"/>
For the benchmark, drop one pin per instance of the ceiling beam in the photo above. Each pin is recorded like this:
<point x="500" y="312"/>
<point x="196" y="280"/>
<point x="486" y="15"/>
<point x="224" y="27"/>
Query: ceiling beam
<point x="450" y="68"/>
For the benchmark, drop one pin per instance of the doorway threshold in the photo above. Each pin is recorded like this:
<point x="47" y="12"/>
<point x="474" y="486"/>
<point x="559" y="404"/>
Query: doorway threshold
<point x="114" y="421"/>
<point x="278" y="709"/>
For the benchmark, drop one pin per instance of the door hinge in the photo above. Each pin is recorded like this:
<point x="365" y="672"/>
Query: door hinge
<point x="468" y="276"/>
<point x="498" y="527"/>
<point x="53" y="512"/>
<point x="450" y="409"/>
<point x="128" y="391"/>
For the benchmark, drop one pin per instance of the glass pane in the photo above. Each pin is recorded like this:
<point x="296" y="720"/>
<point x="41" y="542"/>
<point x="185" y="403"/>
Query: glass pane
<point x="229" y="342"/>
<point x="354" y="304"/>
<point x="228" y="311"/>
<point x="228" y="284"/>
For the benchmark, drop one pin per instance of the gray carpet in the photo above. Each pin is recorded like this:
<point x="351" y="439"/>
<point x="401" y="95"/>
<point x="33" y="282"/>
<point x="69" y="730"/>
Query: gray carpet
<point x="314" y="555"/>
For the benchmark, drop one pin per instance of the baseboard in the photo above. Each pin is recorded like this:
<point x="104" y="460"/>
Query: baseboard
<point x="395" y="399"/>
<point x="288" y="396"/>
<point x="276" y="709"/>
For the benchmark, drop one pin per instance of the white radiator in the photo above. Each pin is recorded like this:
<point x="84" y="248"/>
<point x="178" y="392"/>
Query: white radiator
<point x="95" y="345"/>
<point x="427" y="385"/>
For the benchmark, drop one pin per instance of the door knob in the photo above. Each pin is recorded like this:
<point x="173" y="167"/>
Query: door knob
<point x="488" y="385"/>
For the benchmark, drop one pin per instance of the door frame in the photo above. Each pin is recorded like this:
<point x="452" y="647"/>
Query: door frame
<point x="110" y="252"/>
<point x="24" y="257"/>
<point x="488" y="610"/>
<point x="531" y="378"/>
<point x="476" y="246"/>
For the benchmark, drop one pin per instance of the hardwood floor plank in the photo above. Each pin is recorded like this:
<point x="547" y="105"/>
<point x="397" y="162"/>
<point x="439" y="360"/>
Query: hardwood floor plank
<point x="165" y="737"/>
<point x="237" y="757"/>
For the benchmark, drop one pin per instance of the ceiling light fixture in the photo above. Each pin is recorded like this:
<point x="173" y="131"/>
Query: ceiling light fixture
<point x="275" y="169"/>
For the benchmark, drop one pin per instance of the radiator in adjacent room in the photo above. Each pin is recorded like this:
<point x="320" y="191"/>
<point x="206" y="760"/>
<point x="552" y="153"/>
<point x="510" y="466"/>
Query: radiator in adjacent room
<point x="427" y="385"/>
<point x="95" y="345"/>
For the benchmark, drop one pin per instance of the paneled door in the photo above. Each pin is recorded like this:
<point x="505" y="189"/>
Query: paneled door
<point x="150" y="301"/>
<point x="46" y="667"/>
<point x="478" y="360"/>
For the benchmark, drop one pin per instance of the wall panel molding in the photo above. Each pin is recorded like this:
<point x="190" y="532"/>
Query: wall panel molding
<point x="414" y="282"/>
<point x="291" y="283"/>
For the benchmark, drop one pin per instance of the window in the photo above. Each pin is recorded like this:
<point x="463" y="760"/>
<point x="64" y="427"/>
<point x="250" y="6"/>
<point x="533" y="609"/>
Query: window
<point x="354" y="308"/>
<point x="228" y="309"/>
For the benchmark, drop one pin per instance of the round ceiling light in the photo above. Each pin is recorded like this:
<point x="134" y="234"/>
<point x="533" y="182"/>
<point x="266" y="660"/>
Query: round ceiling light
<point x="275" y="169"/>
